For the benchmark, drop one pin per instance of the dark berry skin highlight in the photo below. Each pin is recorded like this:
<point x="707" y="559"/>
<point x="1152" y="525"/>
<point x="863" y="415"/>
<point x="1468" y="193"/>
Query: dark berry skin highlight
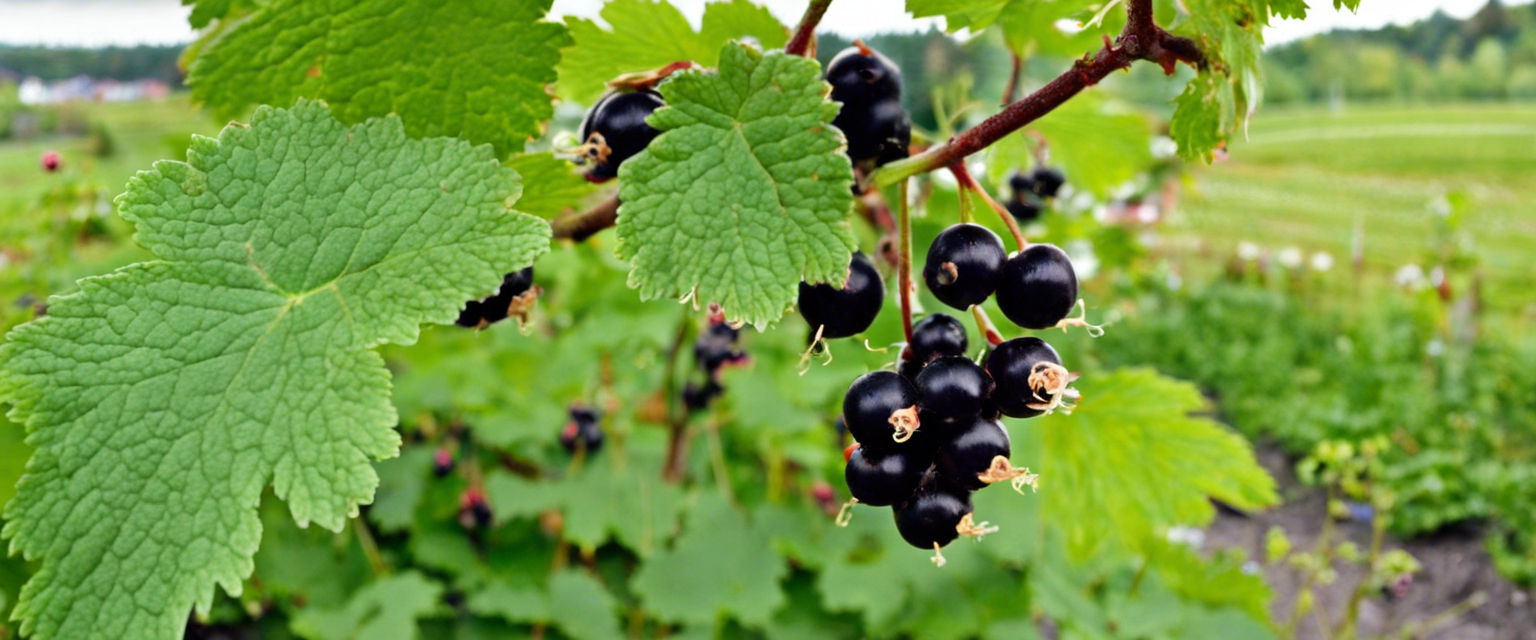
<point x="881" y="479"/>
<point x="1010" y="365"/>
<point x="938" y="335"/>
<point x="932" y="517"/>
<point x="963" y="265"/>
<point x="869" y="404"/>
<point x="862" y="76"/>
<point x="952" y="388"/>
<point x="620" y="119"/>
<point x="1038" y="287"/>
<point x="969" y="453"/>
<point x="840" y="313"/>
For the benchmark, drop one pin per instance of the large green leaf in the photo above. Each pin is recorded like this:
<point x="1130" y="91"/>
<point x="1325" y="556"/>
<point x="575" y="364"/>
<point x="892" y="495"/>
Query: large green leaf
<point x="744" y="193"/>
<point x="720" y="566"/>
<point x="474" y="69"/>
<point x="163" y="398"/>
<point x="384" y="610"/>
<point x="645" y="35"/>
<point x="1133" y="459"/>
<point x="1029" y="27"/>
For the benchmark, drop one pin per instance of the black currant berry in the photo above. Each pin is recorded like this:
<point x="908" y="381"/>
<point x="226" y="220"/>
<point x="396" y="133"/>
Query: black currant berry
<point x="1021" y="185"/>
<point x="583" y="430"/>
<point x="879" y="407"/>
<point x="938" y="335"/>
<point x="952" y="388"/>
<point x="882" y="479"/>
<point x="1011" y="365"/>
<point x="967" y="456"/>
<point x="839" y="313"/>
<point x="479" y="313"/>
<point x="1038" y="287"/>
<point x="963" y="265"/>
<point x="932" y="517"/>
<point x="1025" y="209"/>
<point x="1047" y="181"/>
<point x="881" y="132"/>
<point x="862" y="76"/>
<point x="717" y="347"/>
<point x="696" y="397"/>
<point x="442" y="463"/>
<point x="615" y="130"/>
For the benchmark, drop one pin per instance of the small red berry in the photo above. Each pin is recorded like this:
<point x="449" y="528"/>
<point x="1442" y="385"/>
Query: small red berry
<point x="50" y="161"/>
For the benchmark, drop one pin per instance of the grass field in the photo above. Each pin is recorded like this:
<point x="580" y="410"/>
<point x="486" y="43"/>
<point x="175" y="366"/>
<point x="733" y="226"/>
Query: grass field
<point x="1309" y="178"/>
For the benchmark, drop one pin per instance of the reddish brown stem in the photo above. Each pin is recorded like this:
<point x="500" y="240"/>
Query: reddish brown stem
<point x="985" y="326"/>
<point x="968" y="183"/>
<point x="1012" y="91"/>
<point x="904" y="264"/>
<point x="583" y="225"/>
<point x="802" y="43"/>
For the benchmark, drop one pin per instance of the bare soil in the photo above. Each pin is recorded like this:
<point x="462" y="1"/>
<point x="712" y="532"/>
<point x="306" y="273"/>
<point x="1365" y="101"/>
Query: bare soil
<point x="1456" y="569"/>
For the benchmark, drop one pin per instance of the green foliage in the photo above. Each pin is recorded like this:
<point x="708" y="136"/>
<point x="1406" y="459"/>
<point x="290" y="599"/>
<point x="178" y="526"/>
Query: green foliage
<point x="473" y="69"/>
<point x="1132" y="460"/>
<point x="386" y="609"/>
<point x="742" y="581"/>
<point x="745" y="192"/>
<point x="242" y="357"/>
<point x="1028" y="26"/>
<point x="600" y="55"/>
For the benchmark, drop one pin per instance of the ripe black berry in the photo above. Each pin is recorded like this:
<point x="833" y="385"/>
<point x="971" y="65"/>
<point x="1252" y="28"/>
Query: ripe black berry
<point x="717" y="346"/>
<point x="965" y="458"/>
<point x="839" y="313"/>
<point x="937" y="335"/>
<point x="1021" y="184"/>
<point x="963" y="265"/>
<point x="1047" y="181"/>
<point x="697" y="397"/>
<point x="1038" y="287"/>
<point x="952" y="388"/>
<point x="615" y="130"/>
<point x="583" y="430"/>
<point x="1023" y="383"/>
<point x="932" y="518"/>
<point x="479" y="313"/>
<point x="1025" y="208"/>
<point x="881" y="479"/>
<point x="880" y="407"/>
<point x="862" y="76"/>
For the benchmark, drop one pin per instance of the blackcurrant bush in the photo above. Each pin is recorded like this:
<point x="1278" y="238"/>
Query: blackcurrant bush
<point x="615" y="130"/>
<point x="879" y="408"/>
<point x="839" y="313"/>
<point x="963" y="265"/>
<point x="932" y="517"/>
<point x="1025" y="209"/>
<point x="1047" y="181"/>
<point x="882" y="479"/>
<point x="1022" y="384"/>
<point x="952" y="388"/>
<point x="970" y="453"/>
<point x="862" y="76"/>
<point x="938" y="335"/>
<point x="1038" y="287"/>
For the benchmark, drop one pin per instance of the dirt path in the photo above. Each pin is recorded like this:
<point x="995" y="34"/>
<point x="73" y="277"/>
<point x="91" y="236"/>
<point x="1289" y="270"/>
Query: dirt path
<point x="1456" y="568"/>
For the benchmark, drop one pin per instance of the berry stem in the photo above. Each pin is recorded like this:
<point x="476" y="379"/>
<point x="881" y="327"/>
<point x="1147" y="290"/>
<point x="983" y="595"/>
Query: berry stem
<point x="1141" y="40"/>
<point x="985" y="326"/>
<point x="904" y="263"/>
<point x="1012" y="91"/>
<point x="803" y="42"/>
<point x="369" y="546"/>
<point x="968" y="183"/>
<point x="583" y="225"/>
<point x="677" y="442"/>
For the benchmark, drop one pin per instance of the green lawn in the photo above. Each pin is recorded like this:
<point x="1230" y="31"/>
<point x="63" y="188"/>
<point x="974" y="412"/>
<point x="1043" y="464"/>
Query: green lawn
<point x="1308" y="177"/>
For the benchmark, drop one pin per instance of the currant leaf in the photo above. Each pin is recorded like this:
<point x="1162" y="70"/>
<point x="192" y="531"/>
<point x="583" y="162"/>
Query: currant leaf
<point x="163" y="398"/>
<point x="551" y="186"/>
<point x="745" y="192"/>
<point x="475" y="69"/>
<point x="384" y="610"/>
<point x="600" y="55"/>
<point x="1131" y="459"/>
<point x="742" y="580"/>
<point x="1029" y="27"/>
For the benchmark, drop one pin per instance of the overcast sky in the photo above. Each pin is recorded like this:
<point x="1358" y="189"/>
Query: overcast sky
<point x="101" y="22"/>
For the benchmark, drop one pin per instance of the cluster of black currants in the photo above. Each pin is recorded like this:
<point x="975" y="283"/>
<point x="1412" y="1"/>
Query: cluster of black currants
<point x="868" y="85"/>
<point x="584" y="431"/>
<point x="1032" y="191"/>
<point x="929" y="435"/>
<point x="717" y="347"/>
<point x="514" y="298"/>
<point x="1036" y="288"/>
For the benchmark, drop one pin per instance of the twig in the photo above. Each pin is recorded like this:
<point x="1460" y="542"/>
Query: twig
<point x="672" y="469"/>
<point x="1011" y="93"/>
<point x="904" y="263"/>
<point x="583" y="225"/>
<point x="968" y="183"/>
<point x="805" y="34"/>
